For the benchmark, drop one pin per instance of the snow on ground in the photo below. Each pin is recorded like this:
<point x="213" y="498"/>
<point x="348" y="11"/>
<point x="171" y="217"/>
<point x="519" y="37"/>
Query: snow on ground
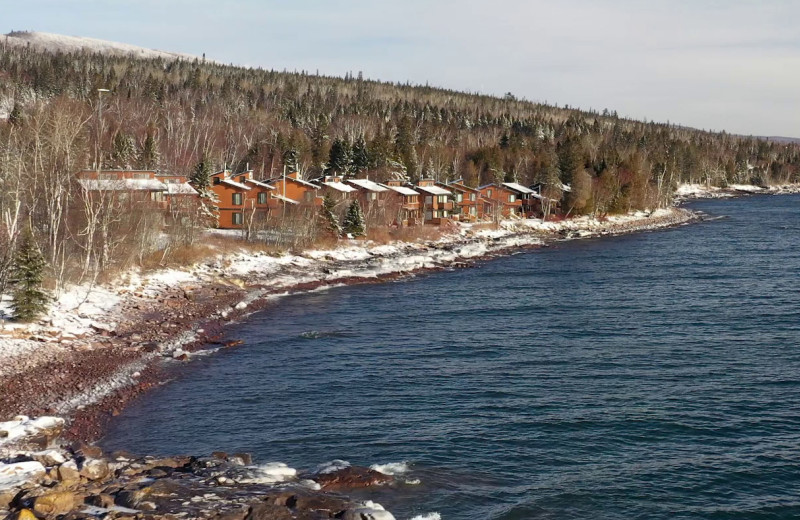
<point x="61" y="43"/>
<point x="23" y="426"/>
<point x="83" y="311"/>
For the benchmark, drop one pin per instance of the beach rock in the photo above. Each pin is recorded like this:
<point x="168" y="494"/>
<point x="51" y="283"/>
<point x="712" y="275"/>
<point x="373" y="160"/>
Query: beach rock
<point x="101" y="500"/>
<point x="94" y="469"/>
<point x="69" y="472"/>
<point x="268" y="512"/>
<point x="49" y="458"/>
<point x="24" y="514"/>
<point x="240" y="306"/>
<point x="56" y="503"/>
<point x="368" y="511"/>
<point x="351" y="478"/>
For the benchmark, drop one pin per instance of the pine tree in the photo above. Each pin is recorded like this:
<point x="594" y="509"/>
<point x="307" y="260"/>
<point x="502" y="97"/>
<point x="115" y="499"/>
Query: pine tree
<point x="123" y="150"/>
<point x="339" y="158"/>
<point x="329" y="219"/>
<point x="360" y="156"/>
<point x="354" y="221"/>
<point x="15" y="118"/>
<point x="29" y="299"/>
<point x="201" y="176"/>
<point x="149" y="156"/>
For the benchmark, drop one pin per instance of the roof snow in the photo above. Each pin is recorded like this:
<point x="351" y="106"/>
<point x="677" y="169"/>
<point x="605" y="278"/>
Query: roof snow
<point x="338" y="186"/>
<point x="122" y="185"/>
<point x="260" y="184"/>
<point x="367" y="185"/>
<point x="434" y="190"/>
<point x="59" y="43"/>
<point x="284" y="199"/>
<point x="518" y="188"/>
<point x="235" y="184"/>
<point x="182" y="188"/>
<point x="402" y="190"/>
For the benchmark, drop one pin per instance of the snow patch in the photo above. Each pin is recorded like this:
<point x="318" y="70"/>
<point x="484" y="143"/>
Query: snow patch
<point x="331" y="466"/>
<point x="60" y="43"/>
<point x="19" y="473"/>
<point x="270" y="473"/>
<point x="392" y="468"/>
<point x="429" y="516"/>
<point x="23" y="426"/>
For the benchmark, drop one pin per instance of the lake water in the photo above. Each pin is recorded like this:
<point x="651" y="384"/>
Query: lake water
<point x="645" y="376"/>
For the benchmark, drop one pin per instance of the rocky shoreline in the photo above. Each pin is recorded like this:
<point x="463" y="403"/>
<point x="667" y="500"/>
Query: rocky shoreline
<point x="150" y="332"/>
<point x="40" y="478"/>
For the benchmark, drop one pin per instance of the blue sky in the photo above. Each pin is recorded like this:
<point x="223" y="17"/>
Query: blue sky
<point x="718" y="64"/>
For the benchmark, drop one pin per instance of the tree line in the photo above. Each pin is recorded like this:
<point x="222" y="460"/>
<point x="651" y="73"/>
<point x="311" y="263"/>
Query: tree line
<point x="181" y="115"/>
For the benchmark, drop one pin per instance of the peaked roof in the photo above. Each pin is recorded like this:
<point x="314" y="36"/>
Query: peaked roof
<point x="367" y="185"/>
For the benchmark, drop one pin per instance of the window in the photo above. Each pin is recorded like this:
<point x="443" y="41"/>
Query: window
<point x="216" y="180"/>
<point x="372" y="196"/>
<point x="472" y="197"/>
<point x="512" y="198"/>
<point x="141" y="175"/>
<point x="237" y="219"/>
<point x="488" y="193"/>
<point x="428" y="200"/>
<point x="108" y="176"/>
<point x="262" y="197"/>
<point x="242" y="179"/>
<point x="445" y="214"/>
<point x="473" y="210"/>
<point x="442" y="199"/>
<point x="308" y="196"/>
<point x="156" y="196"/>
<point x="237" y="199"/>
<point x="459" y="197"/>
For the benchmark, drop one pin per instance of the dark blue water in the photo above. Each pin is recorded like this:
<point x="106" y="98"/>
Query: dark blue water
<point x="646" y="376"/>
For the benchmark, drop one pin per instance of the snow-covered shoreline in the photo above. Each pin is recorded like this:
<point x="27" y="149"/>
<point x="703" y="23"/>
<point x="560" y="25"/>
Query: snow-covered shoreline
<point x="702" y="191"/>
<point x="86" y="322"/>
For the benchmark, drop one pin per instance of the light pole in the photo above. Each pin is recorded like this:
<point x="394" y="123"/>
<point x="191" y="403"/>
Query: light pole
<point x="100" y="92"/>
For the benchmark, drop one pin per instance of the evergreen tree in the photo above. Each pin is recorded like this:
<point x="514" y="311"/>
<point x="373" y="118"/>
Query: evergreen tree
<point x="29" y="299"/>
<point x="15" y="118"/>
<point x="149" y="156"/>
<point x="330" y="221"/>
<point x="360" y="156"/>
<point x="201" y="176"/>
<point x="354" y="220"/>
<point x="339" y="158"/>
<point x="123" y="150"/>
<point x="290" y="159"/>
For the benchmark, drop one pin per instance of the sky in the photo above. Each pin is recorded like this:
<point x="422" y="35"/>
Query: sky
<point x="730" y="65"/>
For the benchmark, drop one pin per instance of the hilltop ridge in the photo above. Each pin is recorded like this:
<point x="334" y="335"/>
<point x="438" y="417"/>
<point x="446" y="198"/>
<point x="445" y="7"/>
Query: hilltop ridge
<point x="61" y="43"/>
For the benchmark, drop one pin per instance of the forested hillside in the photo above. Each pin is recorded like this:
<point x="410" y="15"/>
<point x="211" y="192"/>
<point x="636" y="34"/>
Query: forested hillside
<point x="168" y="114"/>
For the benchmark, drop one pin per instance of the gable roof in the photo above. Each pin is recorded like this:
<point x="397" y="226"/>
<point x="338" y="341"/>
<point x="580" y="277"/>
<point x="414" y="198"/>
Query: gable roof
<point x="433" y="190"/>
<point x="519" y="188"/>
<point x="368" y="185"/>
<point x="402" y="190"/>
<point x="338" y="186"/>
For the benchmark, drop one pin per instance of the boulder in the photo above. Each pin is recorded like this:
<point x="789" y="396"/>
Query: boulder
<point x="268" y="512"/>
<point x="56" y="503"/>
<point x="24" y="514"/>
<point x="49" y="458"/>
<point x="68" y="472"/>
<point x="351" y="478"/>
<point x="94" y="469"/>
<point x="368" y="511"/>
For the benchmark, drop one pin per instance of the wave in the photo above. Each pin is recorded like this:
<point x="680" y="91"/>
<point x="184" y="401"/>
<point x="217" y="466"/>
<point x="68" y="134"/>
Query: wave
<point x="318" y="334"/>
